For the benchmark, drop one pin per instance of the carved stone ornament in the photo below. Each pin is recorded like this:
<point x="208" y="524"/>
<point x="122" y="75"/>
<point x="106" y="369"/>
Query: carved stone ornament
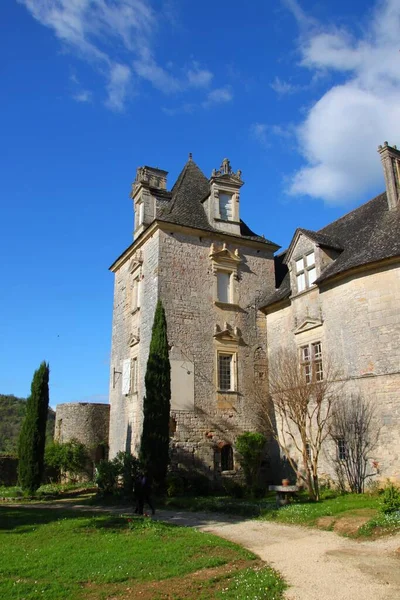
<point x="226" y="169"/>
<point x="136" y="262"/>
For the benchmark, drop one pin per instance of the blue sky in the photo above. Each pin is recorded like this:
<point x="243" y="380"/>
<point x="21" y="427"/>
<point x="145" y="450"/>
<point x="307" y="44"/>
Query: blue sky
<point x="298" y="94"/>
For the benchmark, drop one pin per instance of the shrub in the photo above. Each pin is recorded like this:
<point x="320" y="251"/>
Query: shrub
<point x="70" y="457"/>
<point x="175" y="485"/>
<point x="250" y="447"/>
<point x="106" y="477"/>
<point x="198" y="485"/>
<point x="390" y="499"/>
<point x="117" y="475"/>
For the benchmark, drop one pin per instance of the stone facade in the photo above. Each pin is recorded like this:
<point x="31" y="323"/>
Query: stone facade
<point x="86" y="422"/>
<point x="181" y="265"/>
<point x="341" y="290"/>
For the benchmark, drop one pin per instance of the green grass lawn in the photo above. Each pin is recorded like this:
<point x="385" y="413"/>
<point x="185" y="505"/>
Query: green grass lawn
<point x="55" y="554"/>
<point x="306" y="513"/>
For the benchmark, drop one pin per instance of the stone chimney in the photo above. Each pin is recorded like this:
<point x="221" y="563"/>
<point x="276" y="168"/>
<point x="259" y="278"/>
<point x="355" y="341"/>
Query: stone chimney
<point x="144" y="189"/>
<point x="390" y="157"/>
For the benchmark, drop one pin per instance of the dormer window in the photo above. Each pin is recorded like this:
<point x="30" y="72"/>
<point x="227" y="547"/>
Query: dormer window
<point x="305" y="271"/>
<point x="225" y="207"/>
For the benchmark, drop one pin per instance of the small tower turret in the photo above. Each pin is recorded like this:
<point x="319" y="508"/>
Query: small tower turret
<point x="390" y="157"/>
<point x="148" y="181"/>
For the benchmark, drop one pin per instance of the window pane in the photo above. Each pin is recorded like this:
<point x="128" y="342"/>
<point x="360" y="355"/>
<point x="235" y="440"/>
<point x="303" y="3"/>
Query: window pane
<point x="225" y="371"/>
<point x="223" y="282"/>
<point x="312" y="276"/>
<point x="138" y="291"/>
<point x="307" y="373"/>
<point x="310" y="259"/>
<point x="305" y="353"/>
<point x="317" y="351"/>
<point x="319" y="375"/>
<point x="299" y="265"/>
<point x="225" y="207"/>
<point x="301" y="282"/>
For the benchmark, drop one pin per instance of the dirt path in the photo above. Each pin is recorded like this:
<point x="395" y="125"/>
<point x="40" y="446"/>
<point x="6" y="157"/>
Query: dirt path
<point x="317" y="565"/>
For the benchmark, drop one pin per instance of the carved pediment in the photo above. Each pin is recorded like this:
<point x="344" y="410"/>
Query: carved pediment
<point x="136" y="262"/>
<point x="225" y="256"/>
<point x="134" y="338"/>
<point x="308" y="323"/>
<point x="226" y="334"/>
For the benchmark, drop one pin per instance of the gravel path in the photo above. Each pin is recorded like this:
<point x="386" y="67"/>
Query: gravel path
<point x="317" y="565"/>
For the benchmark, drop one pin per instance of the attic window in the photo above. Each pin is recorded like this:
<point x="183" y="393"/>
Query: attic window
<point x="305" y="271"/>
<point x="225" y="207"/>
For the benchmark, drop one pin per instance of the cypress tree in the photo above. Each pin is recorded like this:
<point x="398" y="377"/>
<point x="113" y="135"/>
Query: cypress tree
<point x="154" y="448"/>
<point x="33" y="432"/>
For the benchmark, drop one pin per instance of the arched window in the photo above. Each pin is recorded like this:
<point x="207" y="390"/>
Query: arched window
<point x="226" y="458"/>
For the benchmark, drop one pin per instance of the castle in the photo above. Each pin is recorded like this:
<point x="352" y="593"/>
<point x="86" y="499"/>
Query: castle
<point x="232" y="304"/>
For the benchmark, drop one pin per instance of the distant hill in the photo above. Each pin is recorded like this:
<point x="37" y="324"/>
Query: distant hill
<point x="12" y="413"/>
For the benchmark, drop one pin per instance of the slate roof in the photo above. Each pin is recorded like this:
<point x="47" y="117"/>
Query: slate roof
<point x="365" y="235"/>
<point x="186" y="205"/>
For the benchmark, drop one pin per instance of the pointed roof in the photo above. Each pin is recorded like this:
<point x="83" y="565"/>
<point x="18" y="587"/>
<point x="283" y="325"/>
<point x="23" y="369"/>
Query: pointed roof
<point x="186" y="205"/>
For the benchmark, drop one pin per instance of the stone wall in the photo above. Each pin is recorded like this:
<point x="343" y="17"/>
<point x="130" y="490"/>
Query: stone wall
<point x="84" y="421"/>
<point x="357" y="320"/>
<point x="177" y="268"/>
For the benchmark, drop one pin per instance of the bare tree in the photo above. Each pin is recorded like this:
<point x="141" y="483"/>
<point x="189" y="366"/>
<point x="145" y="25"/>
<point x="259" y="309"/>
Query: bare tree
<point x="299" y="418"/>
<point x="355" y="433"/>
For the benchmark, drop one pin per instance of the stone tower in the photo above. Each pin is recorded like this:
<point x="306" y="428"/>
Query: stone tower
<point x="191" y="250"/>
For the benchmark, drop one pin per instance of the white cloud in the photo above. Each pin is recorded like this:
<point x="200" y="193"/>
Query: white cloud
<point x="259" y="131"/>
<point x="120" y="77"/>
<point x="102" y="31"/>
<point x="198" y="77"/>
<point x="283" y="87"/>
<point x="341" y="132"/>
<point x="218" y="96"/>
<point x="83" y="96"/>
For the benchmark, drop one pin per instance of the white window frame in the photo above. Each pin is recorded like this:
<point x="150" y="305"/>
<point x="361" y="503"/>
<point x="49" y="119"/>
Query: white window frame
<point x="305" y="271"/>
<point x="229" y="290"/>
<point x="311" y="362"/>
<point x="232" y="374"/>
<point x="341" y="449"/>
<point x="227" y="207"/>
<point x="140" y="213"/>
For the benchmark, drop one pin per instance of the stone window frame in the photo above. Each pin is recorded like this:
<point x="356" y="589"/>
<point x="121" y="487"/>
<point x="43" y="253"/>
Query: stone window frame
<point x="341" y="449"/>
<point x="305" y="270"/>
<point x="225" y="261"/>
<point x="234" y="195"/>
<point x="134" y="388"/>
<point x="221" y="353"/>
<point x="229" y="459"/>
<point x="136" y="287"/>
<point x="311" y="361"/>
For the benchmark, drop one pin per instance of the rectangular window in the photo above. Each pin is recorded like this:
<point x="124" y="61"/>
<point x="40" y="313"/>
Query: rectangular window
<point x="126" y="376"/>
<point x="225" y="207"/>
<point x="341" y="449"/>
<point x="226" y="380"/>
<point x="224" y="286"/>
<point x="306" y="273"/>
<point x="311" y="362"/>
<point x="141" y="213"/>
<point x="134" y="376"/>
<point x="136" y="293"/>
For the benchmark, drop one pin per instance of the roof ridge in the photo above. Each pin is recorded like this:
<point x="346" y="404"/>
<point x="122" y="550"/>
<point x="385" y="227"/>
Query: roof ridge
<point x="352" y="211"/>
